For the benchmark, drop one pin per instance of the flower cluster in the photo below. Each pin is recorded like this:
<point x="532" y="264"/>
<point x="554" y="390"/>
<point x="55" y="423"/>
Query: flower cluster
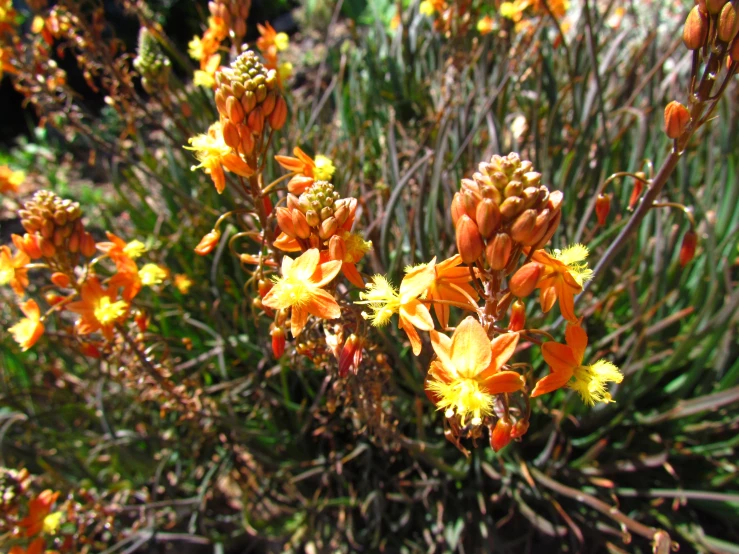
<point x="503" y="217"/>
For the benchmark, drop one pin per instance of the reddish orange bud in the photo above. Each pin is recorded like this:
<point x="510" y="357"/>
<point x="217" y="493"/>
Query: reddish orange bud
<point x="278" y="341"/>
<point x="498" y="251"/>
<point x="348" y="357"/>
<point x="90" y="350"/>
<point x="524" y="281"/>
<point x="469" y="241"/>
<point x="279" y="114"/>
<point x="677" y="118"/>
<point x="47" y="248"/>
<point x="231" y="134"/>
<point x="267" y="204"/>
<point x="264" y="286"/>
<point x="28" y="244"/>
<point x="300" y="223"/>
<point x="518" y="316"/>
<point x="52" y="298"/>
<point x="234" y="109"/>
<point x="727" y="23"/>
<point x="487" y="216"/>
<point x="74" y="243"/>
<point x="523" y="227"/>
<point x="695" y="31"/>
<point x="208" y="243"/>
<point x="500" y="436"/>
<point x="60" y="280"/>
<point x="687" y="248"/>
<point x="714" y="6"/>
<point x="87" y="245"/>
<point x="337" y="248"/>
<point x="256" y="120"/>
<point x="637" y="190"/>
<point x="520" y="428"/>
<point x="285" y="221"/>
<point x="457" y="207"/>
<point x="734" y="50"/>
<point x="602" y="208"/>
<point x="142" y="320"/>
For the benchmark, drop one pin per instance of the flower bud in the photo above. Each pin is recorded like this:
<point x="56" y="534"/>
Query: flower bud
<point x="61" y="280"/>
<point x="234" y="109"/>
<point x="714" y="6"/>
<point x="328" y="227"/>
<point x="518" y="316"/>
<point x="46" y="247"/>
<point x="300" y="224"/>
<point x="312" y="217"/>
<point x="727" y="23"/>
<point x="523" y="226"/>
<point x="285" y="221"/>
<point x="734" y="50"/>
<point x="511" y="207"/>
<point x="263" y="287"/>
<point x="469" y="241"/>
<point x="279" y="114"/>
<point x="500" y="436"/>
<point x="677" y="118"/>
<point x="256" y="120"/>
<point x="696" y="28"/>
<point x="520" y="428"/>
<point x="687" y="248"/>
<point x="457" y="208"/>
<point x="637" y="190"/>
<point x="348" y="357"/>
<point x="28" y="244"/>
<point x="553" y="224"/>
<point x="231" y="135"/>
<point x="487" y="216"/>
<point x="498" y="251"/>
<point x="524" y="281"/>
<point x="278" y="341"/>
<point x="208" y="243"/>
<point x="602" y="207"/>
<point x="87" y="245"/>
<point x="337" y="248"/>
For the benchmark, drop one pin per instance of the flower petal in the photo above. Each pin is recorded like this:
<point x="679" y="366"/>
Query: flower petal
<point x="566" y="301"/>
<point x="418" y="280"/>
<point x="576" y="339"/>
<point x="325" y="273"/>
<point x="559" y="357"/>
<point x="442" y="345"/>
<point x="417" y="314"/>
<point x="470" y="350"/>
<point x="553" y="381"/>
<point x="410" y="330"/>
<point x="352" y="275"/>
<point x="503" y="381"/>
<point x="305" y="265"/>
<point x="323" y="305"/>
<point x="298" y="318"/>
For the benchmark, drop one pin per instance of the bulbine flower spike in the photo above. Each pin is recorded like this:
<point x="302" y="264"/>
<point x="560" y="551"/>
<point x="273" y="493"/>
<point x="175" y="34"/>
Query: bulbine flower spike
<point x="301" y="288"/>
<point x="466" y="375"/>
<point x="565" y="361"/>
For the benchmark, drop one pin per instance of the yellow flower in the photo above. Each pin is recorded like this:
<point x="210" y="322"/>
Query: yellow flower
<point x="214" y="155"/>
<point x="426" y="8"/>
<point x="134" y="249"/>
<point x="98" y="308"/>
<point x="301" y="288"/>
<point x="183" y="283"/>
<point x="195" y="48"/>
<point x="13" y="270"/>
<point x="485" y="25"/>
<point x="565" y="272"/>
<point x="384" y="301"/>
<point x="29" y="329"/>
<point x="10" y="181"/>
<point x="152" y="274"/>
<point x="282" y="41"/>
<point x="466" y="375"/>
<point x="324" y="169"/>
<point x="284" y="71"/>
<point x="51" y="523"/>
<point x="206" y="75"/>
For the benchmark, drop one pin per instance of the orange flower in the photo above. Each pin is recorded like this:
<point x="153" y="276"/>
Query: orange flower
<point x="99" y="309"/>
<point x="13" y="269"/>
<point x="451" y="283"/>
<point x="466" y="375"/>
<point x="127" y="277"/>
<point x="301" y="288"/>
<point x="270" y="42"/>
<point x="349" y="248"/>
<point x="117" y="247"/>
<point x="214" y="155"/>
<point x="10" y="181"/>
<point x="36" y="547"/>
<point x="38" y="510"/>
<point x="565" y="362"/>
<point x="29" y="329"/>
<point x="564" y="274"/>
<point x="384" y="301"/>
<point x="308" y="169"/>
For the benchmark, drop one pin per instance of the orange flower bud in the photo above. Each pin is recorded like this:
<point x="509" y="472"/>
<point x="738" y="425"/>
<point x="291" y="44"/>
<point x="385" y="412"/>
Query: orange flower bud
<point x="519" y="428"/>
<point x="523" y="226"/>
<point x="60" y="280"/>
<point x="90" y="350"/>
<point x="231" y="134"/>
<point x="511" y="207"/>
<point x="267" y="204"/>
<point x="234" y="109"/>
<point x="87" y="245"/>
<point x="47" y="248"/>
<point x="541" y="226"/>
<point x="249" y="101"/>
<point x="602" y="207"/>
<point x="337" y="248"/>
<point x="328" y="227"/>
<point x="637" y="190"/>
<point x="52" y="298"/>
<point x="278" y="341"/>
<point x="469" y="241"/>
<point x="687" y="248"/>
<point x="142" y="320"/>
<point x="300" y="224"/>
<point x="348" y="357"/>
<point x="498" y="251"/>
<point x="734" y="50"/>
<point x="28" y="244"/>
<point x="500" y="436"/>
<point x="285" y="221"/>
<point x="457" y="207"/>
<point x="246" y="140"/>
<point x="208" y="243"/>
<point x="263" y="287"/>
<point x="74" y="243"/>
<point x="677" y="118"/>
<point x="727" y="23"/>
<point x="518" y="316"/>
<point x="696" y="28"/>
<point x="487" y="216"/>
<point x="551" y="228"/>
<point x="279" y="114"/>
<point x="524" y="281"/>
<point x="268" y="105"/>
<point x="256" y="121"/>
<point x="714" y="6"/>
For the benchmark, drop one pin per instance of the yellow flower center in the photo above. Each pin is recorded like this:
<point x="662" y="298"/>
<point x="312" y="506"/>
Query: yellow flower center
<point x="382" y="299"/>
<point x="324" y="168"/>
<point x="590" y="381"/>
<point x="282" y="41"/>
<point x="291" y="292"/>
<point x="134" y="249"/>
<point x="463" y="397"/>
<point x="107" y="312"/>
<point x="6" y="274"/>
<point x="152" y="274"/>
<point x="51" y="523"/>
<point x="574" y="258"/>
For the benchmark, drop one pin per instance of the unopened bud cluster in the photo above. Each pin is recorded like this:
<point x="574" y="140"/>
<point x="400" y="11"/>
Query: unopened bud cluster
<point x="248" y="99"/>
<point x="317" y="214"/>
<point x="53" y="226"/>
<point x="151" y="63"/>
<point x="233" y="13"/>
<point x="720" y="18"/>
<point x="501" y="209"/>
